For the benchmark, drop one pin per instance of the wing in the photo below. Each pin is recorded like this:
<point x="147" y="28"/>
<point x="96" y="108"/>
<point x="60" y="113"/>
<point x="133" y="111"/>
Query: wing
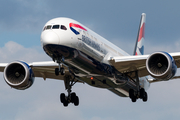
<point x="46" y="70"/>
<point x="2" y="66"/>
<point x="129" y="64"/>
<point x="41" y="69"/>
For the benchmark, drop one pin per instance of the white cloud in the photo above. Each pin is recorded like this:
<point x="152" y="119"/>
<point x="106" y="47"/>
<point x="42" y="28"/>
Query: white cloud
<point x="14" y="51"/>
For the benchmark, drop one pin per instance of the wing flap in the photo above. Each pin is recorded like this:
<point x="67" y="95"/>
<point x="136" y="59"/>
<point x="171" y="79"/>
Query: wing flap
<point x="129" y="63"/>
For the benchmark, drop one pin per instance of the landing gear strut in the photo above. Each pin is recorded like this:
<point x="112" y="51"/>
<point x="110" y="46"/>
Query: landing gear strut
<point x="139" y="93"/>
<point x="71" y="97"/>
<point x="60" y="70"/>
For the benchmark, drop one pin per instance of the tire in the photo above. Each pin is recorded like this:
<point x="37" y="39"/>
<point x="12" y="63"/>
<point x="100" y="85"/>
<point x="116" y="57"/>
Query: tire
<point x="76" y="102"/>
<point x="73" y="97"/>
<point x="65" y="103"/>
<point x="62" y="98"/>
<point x="56" y="71"/>
<point x="62" y="71"/>
<point x="142" y="93"/>
<point x="133" y="99"/>
<point x="132" y="95"/>
<point x="145" y="98"/>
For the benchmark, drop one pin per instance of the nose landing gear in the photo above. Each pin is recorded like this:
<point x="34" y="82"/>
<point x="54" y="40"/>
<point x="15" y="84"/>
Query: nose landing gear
<point x="60" y="70"/>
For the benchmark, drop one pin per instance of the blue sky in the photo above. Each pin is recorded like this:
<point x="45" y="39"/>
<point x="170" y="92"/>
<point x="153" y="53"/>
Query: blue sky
<point x="21" y="23"/>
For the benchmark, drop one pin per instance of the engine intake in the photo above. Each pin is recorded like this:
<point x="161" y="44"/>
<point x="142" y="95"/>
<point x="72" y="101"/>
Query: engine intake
<point x="161" y="65"/>
<point x="19" y="75"/>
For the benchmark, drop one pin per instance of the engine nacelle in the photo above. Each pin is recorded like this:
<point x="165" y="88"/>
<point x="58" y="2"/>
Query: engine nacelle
<point x="19" y="75"/>
<point x="161" y="65"/>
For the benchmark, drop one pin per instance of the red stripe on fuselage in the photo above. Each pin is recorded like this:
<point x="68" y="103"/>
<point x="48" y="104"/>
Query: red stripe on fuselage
<point x="77" y="26"/>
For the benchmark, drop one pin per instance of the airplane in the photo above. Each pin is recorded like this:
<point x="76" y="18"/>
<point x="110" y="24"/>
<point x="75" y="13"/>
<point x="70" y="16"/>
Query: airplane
<point x="80" y="55"/>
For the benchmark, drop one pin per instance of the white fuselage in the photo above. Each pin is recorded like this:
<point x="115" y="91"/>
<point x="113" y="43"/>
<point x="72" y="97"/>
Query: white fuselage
<point x="86" y="40"/>
<point x="85" y="52"/>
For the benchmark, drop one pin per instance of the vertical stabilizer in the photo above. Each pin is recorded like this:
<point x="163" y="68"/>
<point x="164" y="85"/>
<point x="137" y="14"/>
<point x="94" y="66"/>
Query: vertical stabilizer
<point x="139" y="47"/>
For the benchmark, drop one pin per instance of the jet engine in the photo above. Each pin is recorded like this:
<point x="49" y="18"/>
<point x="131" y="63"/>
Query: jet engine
<point x="161" y="65"/>
<point x="19" y="75"/>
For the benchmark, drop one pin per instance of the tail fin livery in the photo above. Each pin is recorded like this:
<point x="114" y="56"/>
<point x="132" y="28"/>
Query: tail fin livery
<point x="139" y="47"/>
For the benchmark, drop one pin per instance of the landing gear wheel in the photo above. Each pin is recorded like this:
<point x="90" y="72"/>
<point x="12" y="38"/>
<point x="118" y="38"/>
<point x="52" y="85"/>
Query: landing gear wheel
<point x="145" y="98"/>
<point x="76" y="101"/>
<point x="56" y="71"/>
<point x="132" y="95"/>
<point x="73" y="97"/>
<point x="133" y="99"/>
<point x="65" y="103"/>
<point x="142" y="93"/>
<point x="62" y="71"/>
<point x="62" y="98"/>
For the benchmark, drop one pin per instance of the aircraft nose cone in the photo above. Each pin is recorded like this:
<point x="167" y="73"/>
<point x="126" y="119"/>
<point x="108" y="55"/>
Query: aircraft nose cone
<point x="49" y="38"/>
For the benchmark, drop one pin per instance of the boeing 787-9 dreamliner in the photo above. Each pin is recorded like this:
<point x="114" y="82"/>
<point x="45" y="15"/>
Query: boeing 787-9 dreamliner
<point x="81" y="55"/>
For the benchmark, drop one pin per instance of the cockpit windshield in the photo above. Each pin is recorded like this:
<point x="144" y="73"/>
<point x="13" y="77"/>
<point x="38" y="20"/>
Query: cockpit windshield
<point x="62" y="27"/>
<point x="55" y="27"/>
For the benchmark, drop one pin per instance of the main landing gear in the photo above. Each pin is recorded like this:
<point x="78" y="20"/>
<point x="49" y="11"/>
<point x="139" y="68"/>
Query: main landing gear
<point x="71" y="97"/>
<point x="140" y="93"/>
<point x="69" y="81"/>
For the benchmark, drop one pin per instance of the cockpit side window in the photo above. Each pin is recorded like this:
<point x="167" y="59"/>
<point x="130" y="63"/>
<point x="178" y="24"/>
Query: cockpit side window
<point x="63" y="27"/>
<point x="55" y="27"/>
<point x="44" y="28"/>
<point x="48" y="27"/>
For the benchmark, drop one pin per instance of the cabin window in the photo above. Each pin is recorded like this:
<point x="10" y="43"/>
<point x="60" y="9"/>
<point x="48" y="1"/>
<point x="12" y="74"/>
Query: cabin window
<point x="55" y="27"/>
<point x="63" y="27"/>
